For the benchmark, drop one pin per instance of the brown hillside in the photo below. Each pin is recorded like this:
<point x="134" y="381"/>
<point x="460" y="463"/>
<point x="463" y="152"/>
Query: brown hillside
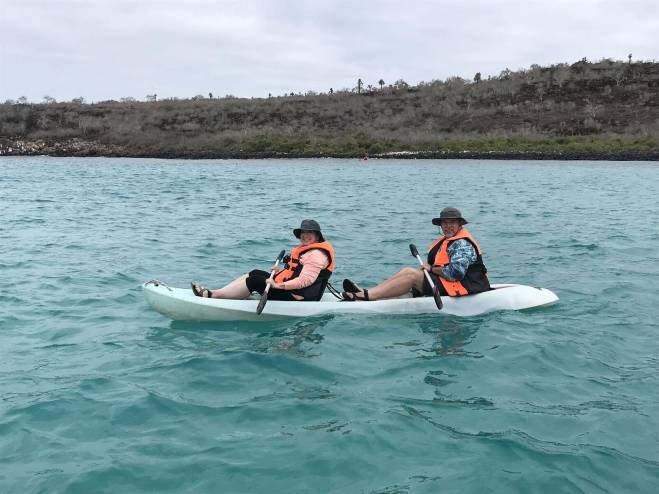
<point x="611" y="105"/>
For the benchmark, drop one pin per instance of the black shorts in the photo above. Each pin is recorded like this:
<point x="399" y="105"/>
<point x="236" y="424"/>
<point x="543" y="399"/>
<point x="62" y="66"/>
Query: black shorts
<point x="427" y="291"/>
<point x="256" y="283"/>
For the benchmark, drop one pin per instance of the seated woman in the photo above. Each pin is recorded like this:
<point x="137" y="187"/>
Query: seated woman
<point x="304" y="276"/>
<point x="454" y="262"/>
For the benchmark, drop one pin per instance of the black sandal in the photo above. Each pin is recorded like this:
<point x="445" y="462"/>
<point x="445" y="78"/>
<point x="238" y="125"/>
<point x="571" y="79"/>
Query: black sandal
<point x="349" y="286"/>
<point x="201" y="291"/>
<point x="354" y="296"/>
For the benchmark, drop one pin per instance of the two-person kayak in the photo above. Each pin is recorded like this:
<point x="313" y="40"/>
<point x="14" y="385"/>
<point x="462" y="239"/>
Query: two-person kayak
<point x="182" y="305"/>
<point x="453" y="280"/>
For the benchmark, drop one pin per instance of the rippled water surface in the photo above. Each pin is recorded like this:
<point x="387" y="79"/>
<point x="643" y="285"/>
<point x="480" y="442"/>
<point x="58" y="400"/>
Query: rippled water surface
<point x="102" y="394"/>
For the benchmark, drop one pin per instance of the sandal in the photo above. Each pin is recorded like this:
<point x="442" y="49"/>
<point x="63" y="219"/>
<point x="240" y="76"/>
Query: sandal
<point x="354" y="296"/>
<point x="200" y="291"/>
<point x="349" y="286"/>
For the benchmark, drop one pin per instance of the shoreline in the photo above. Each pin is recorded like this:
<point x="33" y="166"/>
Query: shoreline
<point x="78" y="148"/>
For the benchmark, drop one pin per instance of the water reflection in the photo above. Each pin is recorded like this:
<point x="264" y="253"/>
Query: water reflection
<point x="228" y="326"/>
<point x="292" y="339"/>
<point x="450" y="337"/>
<point x="272" y="336"/>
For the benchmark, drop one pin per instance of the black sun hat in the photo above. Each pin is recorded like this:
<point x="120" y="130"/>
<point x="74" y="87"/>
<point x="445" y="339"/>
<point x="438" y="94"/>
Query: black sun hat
<point x="449" y="214"/>
<point x="311" y="225"/>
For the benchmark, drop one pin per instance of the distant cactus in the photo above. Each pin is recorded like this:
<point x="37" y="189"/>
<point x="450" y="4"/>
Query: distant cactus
<point x="401" y="84"/>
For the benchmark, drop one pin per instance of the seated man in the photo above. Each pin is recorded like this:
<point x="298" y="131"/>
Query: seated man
<point x="454" y="262"/>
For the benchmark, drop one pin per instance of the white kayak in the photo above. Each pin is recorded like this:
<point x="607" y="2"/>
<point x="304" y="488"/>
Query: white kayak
<point x="181" y="304"/>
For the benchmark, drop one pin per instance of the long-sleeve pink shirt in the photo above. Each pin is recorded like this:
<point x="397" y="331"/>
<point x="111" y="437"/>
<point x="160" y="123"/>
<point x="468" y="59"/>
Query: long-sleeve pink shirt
<point x="313" y="262"/>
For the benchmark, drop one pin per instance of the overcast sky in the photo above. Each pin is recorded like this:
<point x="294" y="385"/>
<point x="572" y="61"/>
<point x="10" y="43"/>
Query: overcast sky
<point x="109" y="49"/>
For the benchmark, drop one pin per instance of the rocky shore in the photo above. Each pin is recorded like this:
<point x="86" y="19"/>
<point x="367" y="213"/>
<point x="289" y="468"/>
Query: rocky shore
<point x="87" y="148"/>
<point x="70" y="147"/>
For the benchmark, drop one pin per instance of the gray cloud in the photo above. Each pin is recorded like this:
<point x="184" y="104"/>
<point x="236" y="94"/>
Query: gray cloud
<point x="110" y="49"/>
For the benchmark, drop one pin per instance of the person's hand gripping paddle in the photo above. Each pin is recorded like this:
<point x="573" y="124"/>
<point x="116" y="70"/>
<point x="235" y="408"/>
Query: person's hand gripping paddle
<point x="435" y="289"/>
<point x="264" y="297"/>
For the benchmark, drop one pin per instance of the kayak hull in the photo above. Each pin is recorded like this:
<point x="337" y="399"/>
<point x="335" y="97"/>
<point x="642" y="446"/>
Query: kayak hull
<point x="180" y="304"/>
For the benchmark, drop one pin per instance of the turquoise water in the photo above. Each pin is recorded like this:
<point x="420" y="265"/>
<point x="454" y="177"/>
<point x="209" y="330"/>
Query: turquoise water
<point x="102" y="394"/>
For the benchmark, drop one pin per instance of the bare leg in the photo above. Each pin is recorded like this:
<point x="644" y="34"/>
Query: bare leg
<point x="237" y="289"/>
<point x="395" y="286"/>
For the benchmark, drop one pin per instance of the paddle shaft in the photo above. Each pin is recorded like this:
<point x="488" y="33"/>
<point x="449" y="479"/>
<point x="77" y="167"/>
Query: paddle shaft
<point x="272" y="274"/>
<point x="435" y="290"/>
<point x="430" y="282"/>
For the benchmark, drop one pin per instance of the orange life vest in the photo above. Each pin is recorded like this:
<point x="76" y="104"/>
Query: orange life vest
<point x="293" y="268"/>
<point x="475" y="279"/>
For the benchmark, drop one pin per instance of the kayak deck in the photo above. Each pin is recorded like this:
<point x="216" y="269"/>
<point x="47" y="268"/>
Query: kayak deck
<point x="182" y="305"/>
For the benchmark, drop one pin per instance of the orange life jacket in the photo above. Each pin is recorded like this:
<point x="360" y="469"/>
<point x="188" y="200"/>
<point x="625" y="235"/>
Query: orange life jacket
<point x="475" y="279"/>
<point x="293" y="268"/>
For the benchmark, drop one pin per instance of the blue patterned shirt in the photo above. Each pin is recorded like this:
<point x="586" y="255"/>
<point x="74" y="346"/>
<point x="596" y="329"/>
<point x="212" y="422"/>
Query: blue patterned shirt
<point x="462" y="255"/>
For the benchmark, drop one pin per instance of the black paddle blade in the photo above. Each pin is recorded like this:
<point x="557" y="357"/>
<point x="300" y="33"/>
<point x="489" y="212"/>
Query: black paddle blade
<point x="438" y="299"/>
<point x="264" y="299"/>
<point x="413" y="250"/>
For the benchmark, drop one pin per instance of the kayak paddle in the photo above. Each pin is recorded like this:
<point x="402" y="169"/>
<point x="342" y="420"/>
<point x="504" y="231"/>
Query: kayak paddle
<point x="264" y="297"/>
<point x="435" y="289"/>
